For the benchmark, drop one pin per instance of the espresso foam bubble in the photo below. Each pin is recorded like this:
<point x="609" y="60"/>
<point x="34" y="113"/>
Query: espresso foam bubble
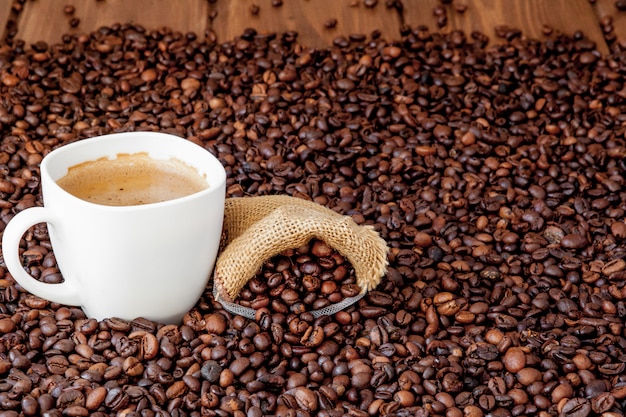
<point x="132" y="179"/>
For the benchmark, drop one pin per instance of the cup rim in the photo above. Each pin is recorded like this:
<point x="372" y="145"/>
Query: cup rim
<point x="215" y="176"/>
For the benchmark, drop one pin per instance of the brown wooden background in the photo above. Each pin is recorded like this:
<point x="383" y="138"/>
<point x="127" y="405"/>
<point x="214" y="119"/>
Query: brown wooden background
<point x="35" y="20"/>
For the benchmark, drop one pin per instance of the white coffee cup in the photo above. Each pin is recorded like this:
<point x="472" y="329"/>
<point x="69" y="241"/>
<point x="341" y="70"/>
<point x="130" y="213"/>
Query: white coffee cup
<point x="151" y="261"/>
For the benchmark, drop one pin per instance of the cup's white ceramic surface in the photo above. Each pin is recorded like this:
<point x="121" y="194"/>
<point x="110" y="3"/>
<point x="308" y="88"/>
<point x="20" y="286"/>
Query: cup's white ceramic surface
<point x="150" y="261"/>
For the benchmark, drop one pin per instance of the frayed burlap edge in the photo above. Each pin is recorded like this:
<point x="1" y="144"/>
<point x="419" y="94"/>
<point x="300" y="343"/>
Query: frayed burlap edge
<point x="259" y="228"/>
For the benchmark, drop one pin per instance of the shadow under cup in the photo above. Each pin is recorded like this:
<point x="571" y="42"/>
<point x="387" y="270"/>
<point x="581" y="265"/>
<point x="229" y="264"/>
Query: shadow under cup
<point x="152" y="261"/>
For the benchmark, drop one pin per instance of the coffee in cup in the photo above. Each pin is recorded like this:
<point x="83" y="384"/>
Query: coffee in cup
<point x="132" y="179"/>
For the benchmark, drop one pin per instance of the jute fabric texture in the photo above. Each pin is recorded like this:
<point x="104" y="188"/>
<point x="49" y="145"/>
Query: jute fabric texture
<point x="259" y="228"/>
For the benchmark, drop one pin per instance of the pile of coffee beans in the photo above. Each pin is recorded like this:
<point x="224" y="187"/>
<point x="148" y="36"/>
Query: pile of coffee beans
<point x="496" y="175"/>
<point x="307" y="278"/>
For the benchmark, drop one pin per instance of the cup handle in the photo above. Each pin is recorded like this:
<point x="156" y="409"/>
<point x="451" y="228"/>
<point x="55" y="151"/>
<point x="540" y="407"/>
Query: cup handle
<point x="63" y="293"/>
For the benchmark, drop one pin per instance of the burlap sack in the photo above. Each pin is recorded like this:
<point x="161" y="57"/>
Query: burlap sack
<point x="259" y="228"/>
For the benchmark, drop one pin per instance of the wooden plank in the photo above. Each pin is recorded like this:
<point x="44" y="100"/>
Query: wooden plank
<point x="530" y="16"/>
<point x="47" y="21"/>
<point x="5" y="14"/>
<point x="605" y="9"/>
<point x="308" y="18"/>
<point x="422" y="13"/>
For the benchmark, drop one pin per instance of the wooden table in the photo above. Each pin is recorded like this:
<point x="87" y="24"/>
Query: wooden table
<point x="318" y="22"/>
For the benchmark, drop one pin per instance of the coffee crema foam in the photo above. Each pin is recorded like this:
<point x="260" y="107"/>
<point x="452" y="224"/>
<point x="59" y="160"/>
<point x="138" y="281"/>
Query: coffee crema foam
<point x="132" y="179"/>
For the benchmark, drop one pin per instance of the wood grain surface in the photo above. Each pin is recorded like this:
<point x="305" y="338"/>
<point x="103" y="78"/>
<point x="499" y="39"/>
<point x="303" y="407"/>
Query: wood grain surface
<point x="319" y="22"/>
<point x="47" y="20"/>
<point x="309" y="18"/>
<point x="605" y="9"/>
<point x="5" y="13"/>
<point x="532" y="17"/>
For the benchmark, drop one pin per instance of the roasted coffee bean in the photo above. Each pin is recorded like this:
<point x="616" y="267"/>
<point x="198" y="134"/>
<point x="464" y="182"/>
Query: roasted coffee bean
<point x="514" y="359"/>
<point x="576" y="407"/>
<point x="211" y="371"/>
<point x="116" y="399"/>
<point x="95" y="398"/>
